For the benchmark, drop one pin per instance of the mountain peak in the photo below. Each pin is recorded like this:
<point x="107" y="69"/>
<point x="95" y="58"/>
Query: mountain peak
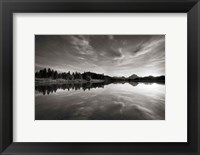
<point x="133" y="76"/>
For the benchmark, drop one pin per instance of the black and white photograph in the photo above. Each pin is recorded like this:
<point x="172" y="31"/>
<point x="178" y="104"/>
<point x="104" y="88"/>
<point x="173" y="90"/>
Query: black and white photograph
<point x="100" y="77"/>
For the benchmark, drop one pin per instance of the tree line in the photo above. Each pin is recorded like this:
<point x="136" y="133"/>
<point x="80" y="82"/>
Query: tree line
<point x="53" y="74"/>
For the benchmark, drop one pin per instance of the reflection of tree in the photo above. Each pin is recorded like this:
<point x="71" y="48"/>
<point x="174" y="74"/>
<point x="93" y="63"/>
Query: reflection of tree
<point x="48" y="89"/>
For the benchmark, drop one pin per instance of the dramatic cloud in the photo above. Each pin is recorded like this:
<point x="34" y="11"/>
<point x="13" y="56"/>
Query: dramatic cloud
<point x="114" y="55"/>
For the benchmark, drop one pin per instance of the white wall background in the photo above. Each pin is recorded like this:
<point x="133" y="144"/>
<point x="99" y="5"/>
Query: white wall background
<point x="173" y="129"/>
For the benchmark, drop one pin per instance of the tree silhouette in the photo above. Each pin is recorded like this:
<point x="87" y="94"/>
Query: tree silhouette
<point x="88" y="76"/>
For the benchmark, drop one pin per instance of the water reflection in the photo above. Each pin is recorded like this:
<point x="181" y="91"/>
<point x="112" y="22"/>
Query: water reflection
<point x="100" y="101"/>
<point x="48" y="89"/>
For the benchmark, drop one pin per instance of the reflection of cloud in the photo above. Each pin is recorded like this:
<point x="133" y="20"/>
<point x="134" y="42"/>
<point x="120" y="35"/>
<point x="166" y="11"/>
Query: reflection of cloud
<point x="115" y="101"/>
<point x="115" y="55"/>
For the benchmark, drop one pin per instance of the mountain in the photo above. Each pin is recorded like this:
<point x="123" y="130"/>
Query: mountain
<point x="150" y="78"/>
<point x="133" y="76"/>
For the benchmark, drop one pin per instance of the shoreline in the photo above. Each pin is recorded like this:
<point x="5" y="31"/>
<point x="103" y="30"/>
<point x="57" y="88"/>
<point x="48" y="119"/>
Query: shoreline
<point x="45" y="81"/>
<point x="62" y="81"/>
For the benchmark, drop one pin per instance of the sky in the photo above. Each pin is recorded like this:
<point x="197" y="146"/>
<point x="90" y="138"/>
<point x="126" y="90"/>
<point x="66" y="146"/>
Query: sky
<point x="113" y="55"/>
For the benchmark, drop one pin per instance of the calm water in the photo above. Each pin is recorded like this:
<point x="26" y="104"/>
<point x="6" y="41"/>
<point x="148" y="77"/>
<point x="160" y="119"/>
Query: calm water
<point x="120" y="101"/>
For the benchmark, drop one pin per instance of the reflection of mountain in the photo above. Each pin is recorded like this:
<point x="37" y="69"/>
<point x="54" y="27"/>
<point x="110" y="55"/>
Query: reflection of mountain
<point x="52" y="88"/>
<point x="133" y="83"/>
<point x="48" y="81"/>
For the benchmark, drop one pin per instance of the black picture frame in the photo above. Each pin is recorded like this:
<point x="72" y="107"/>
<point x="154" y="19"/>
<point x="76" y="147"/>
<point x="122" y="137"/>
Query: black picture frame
<point x="8" y="7"/>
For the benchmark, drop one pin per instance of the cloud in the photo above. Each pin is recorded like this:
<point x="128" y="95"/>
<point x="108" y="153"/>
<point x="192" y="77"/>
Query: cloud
<point x="114" y="55"/>
<point x="81" y="44"/>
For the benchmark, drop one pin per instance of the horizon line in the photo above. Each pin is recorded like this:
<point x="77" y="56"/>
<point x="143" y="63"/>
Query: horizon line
<point x="99" y="73"/>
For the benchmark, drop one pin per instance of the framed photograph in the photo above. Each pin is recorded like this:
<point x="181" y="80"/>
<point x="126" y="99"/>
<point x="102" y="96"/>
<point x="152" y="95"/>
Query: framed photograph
<point x="80" y="77"/>
<point x="90" y="76"/>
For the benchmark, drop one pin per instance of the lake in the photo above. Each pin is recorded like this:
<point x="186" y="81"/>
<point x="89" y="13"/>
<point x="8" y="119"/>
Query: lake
<point x="97" y="101"/>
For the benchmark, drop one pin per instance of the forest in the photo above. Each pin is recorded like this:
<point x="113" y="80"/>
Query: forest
<point x="53" y="74"/>
<point x="89" y="76"/>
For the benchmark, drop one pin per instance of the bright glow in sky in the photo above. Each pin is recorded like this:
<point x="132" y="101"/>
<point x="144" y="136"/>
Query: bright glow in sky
<point x="113" y="55"/>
